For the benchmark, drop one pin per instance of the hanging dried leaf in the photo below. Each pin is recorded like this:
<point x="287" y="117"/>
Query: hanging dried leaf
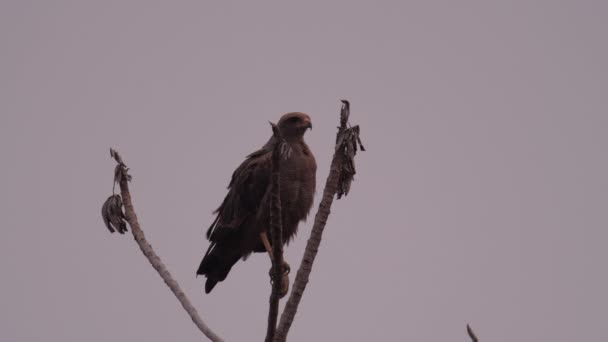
<point x="112" y="214"/>
<point x="347" y="142"/>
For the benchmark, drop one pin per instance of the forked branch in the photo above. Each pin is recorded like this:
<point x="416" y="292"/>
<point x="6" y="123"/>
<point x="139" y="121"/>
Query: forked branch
<point x="338" y="183"/>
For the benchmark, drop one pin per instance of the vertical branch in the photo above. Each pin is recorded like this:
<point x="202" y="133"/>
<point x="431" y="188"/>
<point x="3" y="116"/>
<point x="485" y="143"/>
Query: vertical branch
<point x="310" y="253"/>
<point x="122" y="178"/>
<point x="337" y="182"/>
<point x="276" y="230"/>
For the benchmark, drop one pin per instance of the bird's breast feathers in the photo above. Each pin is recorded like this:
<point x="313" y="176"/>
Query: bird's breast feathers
<point x="298" y="180"/>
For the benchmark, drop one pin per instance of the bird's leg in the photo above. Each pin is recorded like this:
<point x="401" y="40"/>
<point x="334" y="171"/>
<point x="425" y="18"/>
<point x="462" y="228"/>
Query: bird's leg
<point x="284" y="265"/>
<point x="268" y="246"/>
<point x="266" y="243"/>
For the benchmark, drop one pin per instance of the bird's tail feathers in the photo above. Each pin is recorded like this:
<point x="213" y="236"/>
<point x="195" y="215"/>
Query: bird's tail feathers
<point x="216" y="265"/>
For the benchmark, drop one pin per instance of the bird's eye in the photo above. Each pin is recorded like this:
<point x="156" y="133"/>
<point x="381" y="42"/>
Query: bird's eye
<point x="294" y="119"/>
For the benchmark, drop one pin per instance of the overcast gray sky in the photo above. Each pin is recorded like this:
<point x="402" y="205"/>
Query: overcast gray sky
<point x="482" y="197"/>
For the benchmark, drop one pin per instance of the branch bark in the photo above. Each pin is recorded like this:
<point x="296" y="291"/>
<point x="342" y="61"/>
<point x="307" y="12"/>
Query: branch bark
<point x="342" y="163"/>
<point x="122" y="178"/>
<point x="276" y="230"/>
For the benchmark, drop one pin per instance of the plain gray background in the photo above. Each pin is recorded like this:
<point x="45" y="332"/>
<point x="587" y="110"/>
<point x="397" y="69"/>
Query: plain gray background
<point x="482" y="197"/>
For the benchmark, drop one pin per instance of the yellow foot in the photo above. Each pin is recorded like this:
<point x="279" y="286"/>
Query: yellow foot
<point x="285" y="269"/>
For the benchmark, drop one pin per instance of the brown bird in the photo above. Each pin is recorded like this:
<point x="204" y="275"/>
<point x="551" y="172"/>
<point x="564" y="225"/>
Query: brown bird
<point x="242" y="222"/>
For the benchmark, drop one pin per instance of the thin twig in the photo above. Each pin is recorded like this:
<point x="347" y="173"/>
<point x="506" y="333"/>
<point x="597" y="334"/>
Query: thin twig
<point x="471" y="334"/>
<point x="332" y="185"/>
<point x="152" y="257"/>
<point x="276" y="230"/>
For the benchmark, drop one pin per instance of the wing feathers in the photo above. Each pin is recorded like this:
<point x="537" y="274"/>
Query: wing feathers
<point x="247" y="187"/>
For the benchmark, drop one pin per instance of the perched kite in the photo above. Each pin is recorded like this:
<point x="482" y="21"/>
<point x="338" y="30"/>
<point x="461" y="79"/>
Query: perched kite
<point x="242" y="222"/>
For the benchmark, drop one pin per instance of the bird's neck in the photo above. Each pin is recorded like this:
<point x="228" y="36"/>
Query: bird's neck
<point x="293" y="141"/>
<point x="299" y="145"/>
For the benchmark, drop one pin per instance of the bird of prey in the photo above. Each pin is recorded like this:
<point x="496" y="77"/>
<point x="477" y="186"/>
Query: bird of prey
<point x="242" y="222"/>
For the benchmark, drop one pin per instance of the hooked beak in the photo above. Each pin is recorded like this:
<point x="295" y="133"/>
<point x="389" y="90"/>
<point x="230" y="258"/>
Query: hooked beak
<point x="308" y="124"/>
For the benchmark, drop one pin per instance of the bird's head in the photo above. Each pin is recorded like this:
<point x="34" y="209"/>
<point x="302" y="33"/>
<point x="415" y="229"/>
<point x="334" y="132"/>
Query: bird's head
<point x="294" y="125"/>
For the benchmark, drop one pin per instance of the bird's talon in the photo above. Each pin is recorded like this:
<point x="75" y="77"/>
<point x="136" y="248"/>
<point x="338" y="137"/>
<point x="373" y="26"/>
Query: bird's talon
<point x="286" y="268"/>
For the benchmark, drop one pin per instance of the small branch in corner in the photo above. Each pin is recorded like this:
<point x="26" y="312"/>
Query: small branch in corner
<point x="471" y="334"/>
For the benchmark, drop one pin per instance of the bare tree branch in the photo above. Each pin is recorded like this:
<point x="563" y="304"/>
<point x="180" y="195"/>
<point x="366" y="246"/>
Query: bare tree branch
<point x="338" y="182"/>
<point x="122" y="178"/>
<point x="471" y="334"/>
<point x="276" y="230"/>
